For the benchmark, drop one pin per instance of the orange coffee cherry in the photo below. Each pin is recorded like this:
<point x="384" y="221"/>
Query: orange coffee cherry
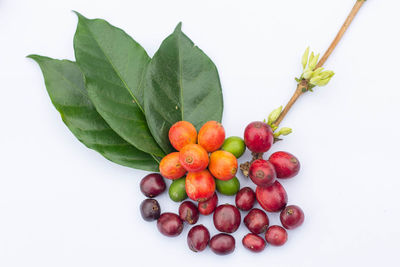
<point x="200" y="186"/>
<point x="193" y="158"/>
<point x="223" y="165"/>
<point x="182" y="133"/>
<point x="211" y="136"/>
<point x="171" y="168"/>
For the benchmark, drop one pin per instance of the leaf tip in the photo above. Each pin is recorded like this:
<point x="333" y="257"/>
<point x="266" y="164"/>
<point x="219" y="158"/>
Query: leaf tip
<point x="178" y="27"/>
<point x="79" y="15"/>
<point x="34" y="57"/>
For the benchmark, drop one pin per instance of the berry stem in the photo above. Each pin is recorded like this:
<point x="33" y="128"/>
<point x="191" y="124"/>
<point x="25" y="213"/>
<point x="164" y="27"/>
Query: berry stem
<point x="302" y="86"/>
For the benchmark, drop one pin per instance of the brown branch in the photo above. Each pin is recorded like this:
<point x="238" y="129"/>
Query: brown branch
<point x="301" y="88"/>
<point x="304" y="84"/>
<point x="341" y="32"/>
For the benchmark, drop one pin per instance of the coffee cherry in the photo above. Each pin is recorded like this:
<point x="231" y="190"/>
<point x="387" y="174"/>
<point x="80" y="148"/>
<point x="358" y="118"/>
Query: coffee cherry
<point x="188" y="212"/>
<point x="245" y="198"/>
<point x="256" y="221"/>
<point x="181" y="134"/>
<point x="276" y="235"/>
<point x="228" y="187"/>
<point x="262" y="172"/>
<point x="222" y="244"/>
<point x="211" y="136"/>
<point x="226" y="218"/>
<point x="253" y="242"/>
<point x="208" y="206"/>
<point x="223" y="165"/>
<point x="171" y="168"/>
<point x="198" y="238"/>
<point x="286" y="165"/>
<point x="193" y="158"/>
<point x="235" y="145"/>
<point x="292" y="217"/>
<point x="150" y="209"/>
<point x="170" y="224"/>
<point x="177" y="190"/>
<point x="258" y="137"/>
<point x="152" y="185"/>
<point x="200" y="186"/>
<point x="272" y="198"/>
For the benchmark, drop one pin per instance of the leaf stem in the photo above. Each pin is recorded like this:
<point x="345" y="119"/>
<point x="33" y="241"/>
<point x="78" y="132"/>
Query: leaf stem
<point x="302" y="86"/>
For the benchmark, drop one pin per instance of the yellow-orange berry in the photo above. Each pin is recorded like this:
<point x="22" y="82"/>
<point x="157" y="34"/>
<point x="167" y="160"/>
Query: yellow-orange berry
<point x="181" y="134"/>
<point x="223" y="165"/>
<point x="211" y="136"/>
<point x="171" y="168"/>
<point x="193" y="158"/>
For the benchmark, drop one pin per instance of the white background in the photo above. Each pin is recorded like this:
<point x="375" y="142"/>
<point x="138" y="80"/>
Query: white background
<point x="62" y="204"/>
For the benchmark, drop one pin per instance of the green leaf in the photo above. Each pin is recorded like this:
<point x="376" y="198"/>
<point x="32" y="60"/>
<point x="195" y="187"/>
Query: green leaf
<point x="65" y="86"/>
<point x="114" y="66"/>
<point x="182" y="83"/>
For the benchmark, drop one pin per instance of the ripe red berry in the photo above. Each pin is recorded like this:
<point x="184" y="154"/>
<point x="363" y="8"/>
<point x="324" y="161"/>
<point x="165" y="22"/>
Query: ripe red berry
<point x="262" y="172"/>
<point x="198" y="238"/>
<point x="276" y="235"/>
<point x="207" y="207"/>
<point x="286" y="165"/>
<point x="256" y="221"/>
<point x="253" y="242"/>
<point x="222" y="244"/>
<point x="292" y="217"/>
<point x="170" y="224"/>
<point x="226" y="218"/>
<point x="258" y="137"/>
<point x="188" y="212"/>
<point x="245" y="199"/>
<point x="272" y="198"/>
<point x="152" y="185"/>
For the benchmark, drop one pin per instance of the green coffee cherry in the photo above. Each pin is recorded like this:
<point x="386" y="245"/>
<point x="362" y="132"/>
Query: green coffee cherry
<point x="229" y="187"/>
<point x="235" y="145"/>
<point x="177" y="190"/>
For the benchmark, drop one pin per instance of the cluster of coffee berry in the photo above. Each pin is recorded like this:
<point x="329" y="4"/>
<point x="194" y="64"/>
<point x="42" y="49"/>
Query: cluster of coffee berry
<point x="206" y="162"/>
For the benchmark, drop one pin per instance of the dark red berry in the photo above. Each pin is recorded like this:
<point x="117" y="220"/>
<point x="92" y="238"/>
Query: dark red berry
<point x="222" y="244"/>
<point x="188" y="212"/>
<point x="258" y="137"/>
<point x="198" y="238"/>
<point x="245" y="198"/>
<point x="272" y="198"/>
<point x="286" y="165"/>
<point x="150" y="210"/>
<point x="292" y="217"/>
<point x="207" y="207"/>
<point x="256" y="221"/>
<point x="152" y="185"/>
<point x="253" y="242"/>
<point x="262" y="173"/>
<point x="227" y="218"/>
<point x="276" y="235"/>
<point x="170" y="224"/>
